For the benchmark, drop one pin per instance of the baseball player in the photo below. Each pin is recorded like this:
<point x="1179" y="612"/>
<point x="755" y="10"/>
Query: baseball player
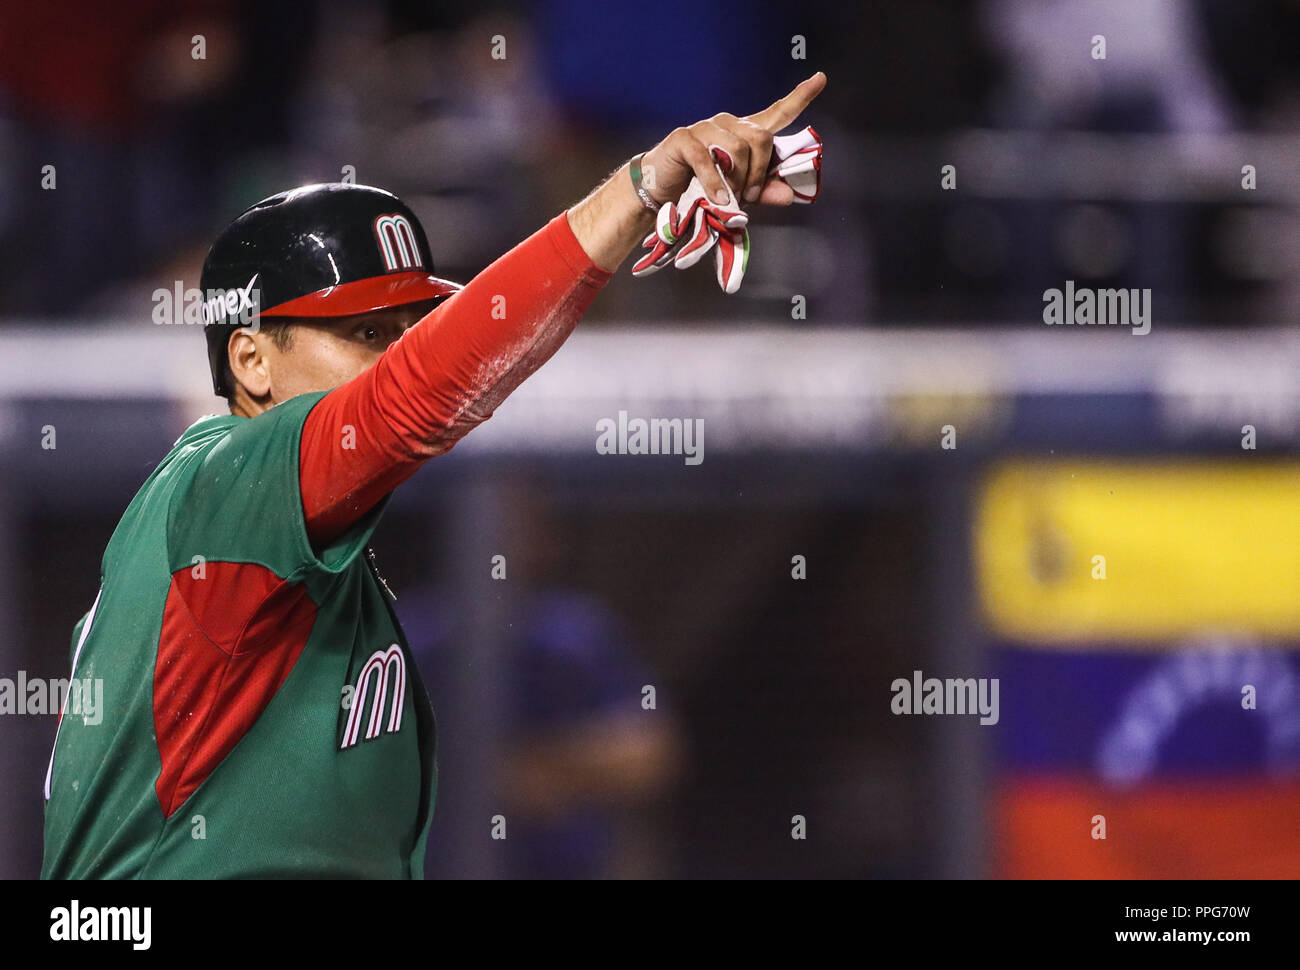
<point x="263" y="717"/>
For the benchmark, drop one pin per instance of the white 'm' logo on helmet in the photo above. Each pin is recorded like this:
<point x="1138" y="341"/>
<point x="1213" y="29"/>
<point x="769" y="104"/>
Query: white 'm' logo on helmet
<point x="397" y="242"/>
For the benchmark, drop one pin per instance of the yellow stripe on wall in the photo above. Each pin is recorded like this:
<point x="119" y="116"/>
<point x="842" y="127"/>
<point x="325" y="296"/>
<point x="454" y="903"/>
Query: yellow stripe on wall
<point x="1189" y="547"/>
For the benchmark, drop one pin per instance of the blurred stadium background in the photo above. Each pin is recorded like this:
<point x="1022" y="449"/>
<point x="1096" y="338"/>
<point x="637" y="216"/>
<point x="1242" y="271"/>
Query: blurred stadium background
<point x="1119" y="697"/>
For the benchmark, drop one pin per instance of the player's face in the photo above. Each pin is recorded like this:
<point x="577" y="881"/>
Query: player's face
<point x="331" y="351"/>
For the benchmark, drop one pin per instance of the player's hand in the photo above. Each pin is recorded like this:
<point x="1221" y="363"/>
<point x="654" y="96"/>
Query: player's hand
<point x="668" y="167"/>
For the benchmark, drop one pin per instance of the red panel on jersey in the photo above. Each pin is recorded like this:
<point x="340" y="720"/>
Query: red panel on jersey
<point x="209" y="688"/>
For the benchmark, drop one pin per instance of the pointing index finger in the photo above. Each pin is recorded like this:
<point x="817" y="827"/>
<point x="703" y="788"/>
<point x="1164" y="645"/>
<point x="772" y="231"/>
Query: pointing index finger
<point x="787" y="109"/>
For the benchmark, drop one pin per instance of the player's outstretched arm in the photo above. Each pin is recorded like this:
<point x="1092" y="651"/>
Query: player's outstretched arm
<point x="451" y="370"/>
<point x="446" y="374"/>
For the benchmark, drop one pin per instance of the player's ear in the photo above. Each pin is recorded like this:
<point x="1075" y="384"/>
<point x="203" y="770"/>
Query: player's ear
<point x="249" y="364"/>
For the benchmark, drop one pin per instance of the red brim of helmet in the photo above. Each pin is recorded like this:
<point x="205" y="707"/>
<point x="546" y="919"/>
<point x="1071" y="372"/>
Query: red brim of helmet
<point x="365" y="296"/>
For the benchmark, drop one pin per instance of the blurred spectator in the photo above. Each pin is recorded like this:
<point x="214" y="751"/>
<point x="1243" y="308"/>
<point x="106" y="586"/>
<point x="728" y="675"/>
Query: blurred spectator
<point x="582" y="763"/>
<point x="1151" y="76"/>
<point x="138" y="127"/>
<point x="578" y="749"/>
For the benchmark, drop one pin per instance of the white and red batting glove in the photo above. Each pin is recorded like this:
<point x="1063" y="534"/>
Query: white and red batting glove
<point x="687" y="229"/>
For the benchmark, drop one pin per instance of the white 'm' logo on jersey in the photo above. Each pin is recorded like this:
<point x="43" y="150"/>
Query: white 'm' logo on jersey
<point x="382" y="663"/>
<point x="397" y="242"/>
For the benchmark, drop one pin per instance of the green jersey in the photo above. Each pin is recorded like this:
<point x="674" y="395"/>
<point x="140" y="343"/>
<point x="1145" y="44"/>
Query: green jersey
<point x="262" y="716"/>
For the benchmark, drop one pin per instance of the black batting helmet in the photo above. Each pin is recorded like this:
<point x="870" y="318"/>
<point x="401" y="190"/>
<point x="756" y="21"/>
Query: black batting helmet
<point x="327" y="250"/>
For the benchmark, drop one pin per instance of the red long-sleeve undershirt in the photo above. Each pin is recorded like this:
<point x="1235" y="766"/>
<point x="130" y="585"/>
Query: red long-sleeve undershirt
<point x="445" y="375"/>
